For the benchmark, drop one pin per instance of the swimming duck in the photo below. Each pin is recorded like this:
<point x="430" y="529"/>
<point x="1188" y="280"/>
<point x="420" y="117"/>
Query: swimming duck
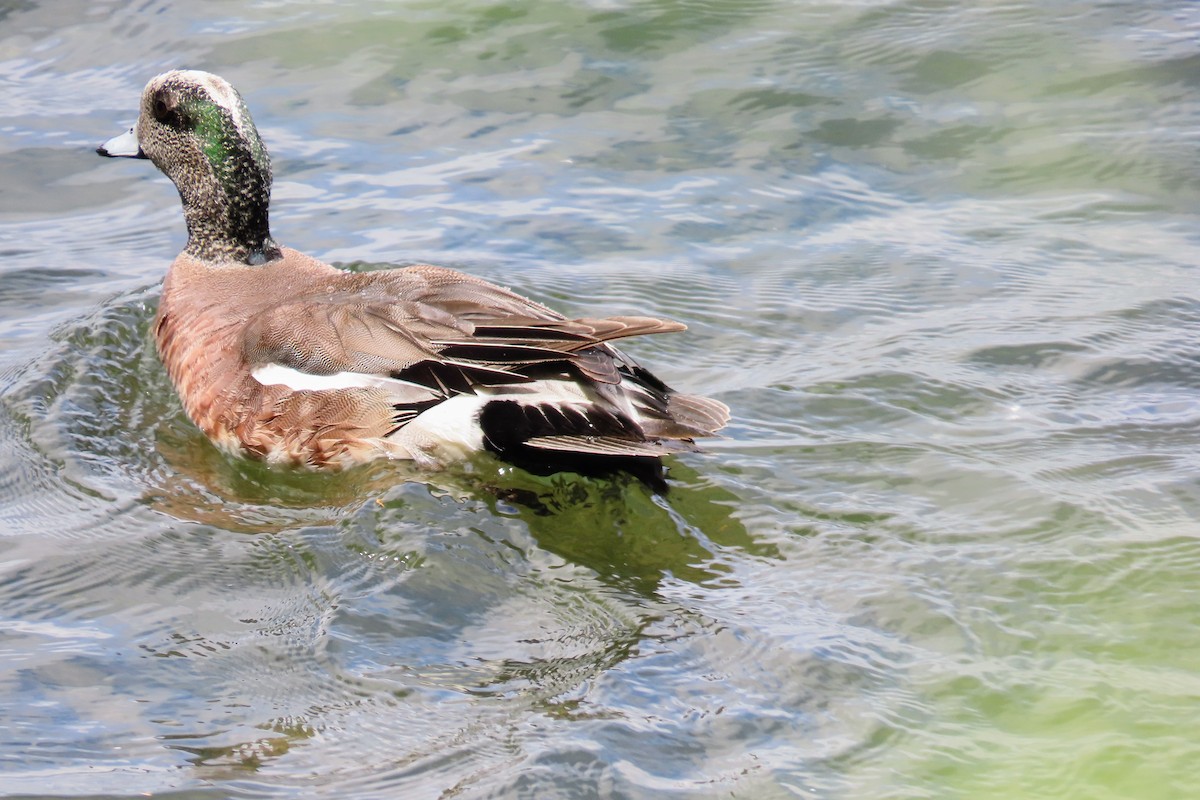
<point x="281" y="357"/>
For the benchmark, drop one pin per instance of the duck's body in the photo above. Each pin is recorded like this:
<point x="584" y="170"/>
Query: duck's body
<point x="281" y="357"/>
<point x="399" y="363"/>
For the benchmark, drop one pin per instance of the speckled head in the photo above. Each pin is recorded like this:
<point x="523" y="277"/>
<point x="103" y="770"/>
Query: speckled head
<point x="196" y="128"/>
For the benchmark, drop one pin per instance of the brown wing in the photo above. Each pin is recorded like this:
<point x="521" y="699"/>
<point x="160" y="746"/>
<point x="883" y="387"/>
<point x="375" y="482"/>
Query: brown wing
<point x="437" y="328"/>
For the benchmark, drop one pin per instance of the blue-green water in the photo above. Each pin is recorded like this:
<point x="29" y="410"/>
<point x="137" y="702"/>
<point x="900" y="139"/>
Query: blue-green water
<point x="940" y="258"/>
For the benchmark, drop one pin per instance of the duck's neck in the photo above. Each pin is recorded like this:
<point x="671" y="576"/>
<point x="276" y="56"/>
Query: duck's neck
<point x="227" y="213"/>
<point x="232" y="233"/>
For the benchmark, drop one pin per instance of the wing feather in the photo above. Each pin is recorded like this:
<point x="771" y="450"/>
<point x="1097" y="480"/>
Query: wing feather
<point x="438" y="328"/>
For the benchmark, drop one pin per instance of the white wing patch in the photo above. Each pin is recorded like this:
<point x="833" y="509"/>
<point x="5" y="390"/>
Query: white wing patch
<point x="297" y="381"/>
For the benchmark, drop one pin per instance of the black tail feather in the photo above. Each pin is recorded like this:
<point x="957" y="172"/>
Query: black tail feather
<point x="602" y="442"/>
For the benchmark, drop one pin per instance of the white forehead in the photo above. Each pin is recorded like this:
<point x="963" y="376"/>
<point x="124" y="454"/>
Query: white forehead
<point x="218" y="89"/>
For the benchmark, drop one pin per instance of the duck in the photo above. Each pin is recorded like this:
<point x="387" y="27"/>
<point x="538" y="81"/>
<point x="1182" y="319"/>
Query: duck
<point x="280" y="357"/>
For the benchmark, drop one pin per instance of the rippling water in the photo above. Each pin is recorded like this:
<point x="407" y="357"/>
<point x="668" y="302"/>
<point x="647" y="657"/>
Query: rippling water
<point x="939" y="257"/>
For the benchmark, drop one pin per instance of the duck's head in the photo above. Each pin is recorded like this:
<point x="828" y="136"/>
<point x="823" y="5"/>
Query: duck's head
<point x="196" y="128"/>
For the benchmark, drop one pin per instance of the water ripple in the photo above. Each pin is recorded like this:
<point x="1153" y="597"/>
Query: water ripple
<point x="937" y="256"/>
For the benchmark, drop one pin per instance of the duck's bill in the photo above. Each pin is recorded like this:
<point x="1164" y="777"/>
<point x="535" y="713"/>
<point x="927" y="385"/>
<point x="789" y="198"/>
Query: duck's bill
<point x="123" y="146"/>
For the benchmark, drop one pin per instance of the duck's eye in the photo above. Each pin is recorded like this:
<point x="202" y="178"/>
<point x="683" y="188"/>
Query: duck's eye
<point x="167" y="112"/>
<point x="160" y="109"/>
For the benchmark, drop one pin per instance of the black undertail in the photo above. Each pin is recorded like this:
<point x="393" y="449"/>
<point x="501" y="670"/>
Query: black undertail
<point x="512" y="431"/>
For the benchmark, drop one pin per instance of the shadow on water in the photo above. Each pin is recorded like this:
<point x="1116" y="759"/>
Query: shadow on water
<point x="622" y="530"/>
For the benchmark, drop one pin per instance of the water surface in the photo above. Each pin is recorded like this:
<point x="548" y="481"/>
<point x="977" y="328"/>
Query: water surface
<point x="939" y="257"/>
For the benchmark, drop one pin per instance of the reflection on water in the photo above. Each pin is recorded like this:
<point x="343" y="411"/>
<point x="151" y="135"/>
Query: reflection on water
<point x="938" y="258"/>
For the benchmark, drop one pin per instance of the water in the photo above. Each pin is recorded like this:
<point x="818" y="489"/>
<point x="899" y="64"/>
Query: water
<point x="939" y="258"/>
